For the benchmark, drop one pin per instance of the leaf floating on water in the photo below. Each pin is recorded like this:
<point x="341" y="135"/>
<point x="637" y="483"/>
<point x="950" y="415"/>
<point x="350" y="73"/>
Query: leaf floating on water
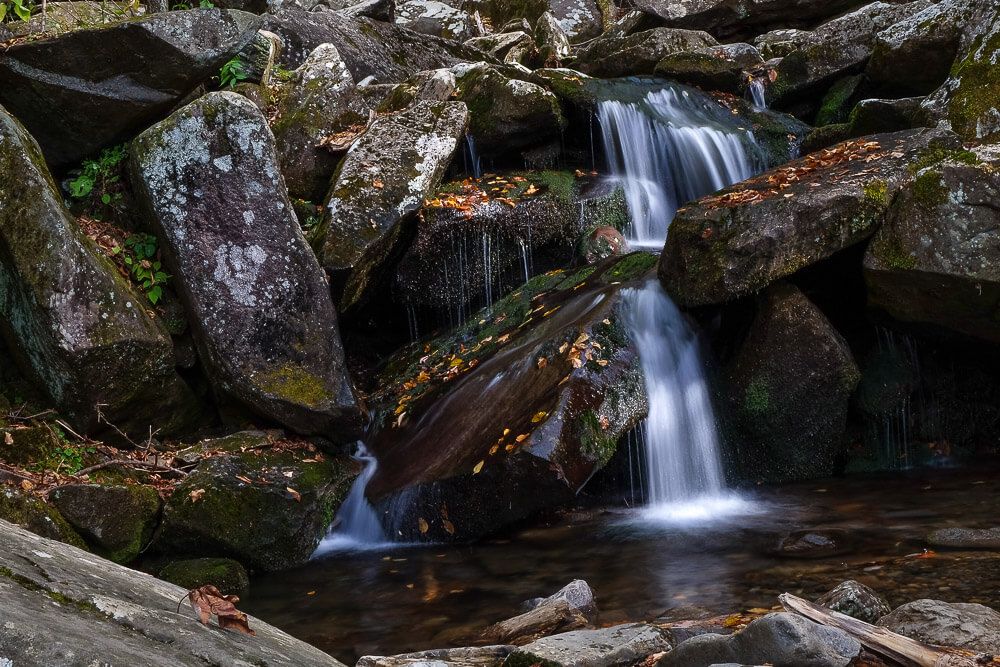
<point x="506" y="432"/>
<point x="478" y="467"/>
<point x="542" y="362"/>
<point x="521" y="438"/>
<point x="448" y="526"/>
<point x="539" y="416"/>
<point x="494" y="449"/>
<point x="423" y="525"/>
<point x="208" y="600"/>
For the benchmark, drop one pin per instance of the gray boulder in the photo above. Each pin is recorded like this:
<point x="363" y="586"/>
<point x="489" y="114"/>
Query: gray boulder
<point x="608" y="647"/>
<point x="790" y="387"/>
<point x="478" y="656"/>
<point x="319" y="115"/>
<point x="377" y="10"/>
<point x="966" y="538"/>
<point x="637" y="53"/>
<point x="973" y="627"/>
<point x="382" y="181"/>
<point x="30" y="513"/>
<point x="432" y="17"/>
<point x="782" y="640"/>
<point x="876" y="116"/>
<point x="88" y="89"/>
<point x="500" y="45"/>
<point x="723" y="67"/>
<point x="116" y="521"/>
<point x="779" y="43"/>
<point x="855" y="600"/>
<point x="552" y="40"/>
<point x="107" y="614"/>
<point x="580" y="19"/>
<point x="77" y="326"/>
<point x="209" y="182"/>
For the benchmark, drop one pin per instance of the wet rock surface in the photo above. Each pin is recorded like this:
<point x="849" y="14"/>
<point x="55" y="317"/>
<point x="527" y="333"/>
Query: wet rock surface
<point x="638" y="53"/>
<point x="966" y="538"/>
<point x="856" y="600"/>
<point x="970" y="626"/>
<point x="621" y="644"/>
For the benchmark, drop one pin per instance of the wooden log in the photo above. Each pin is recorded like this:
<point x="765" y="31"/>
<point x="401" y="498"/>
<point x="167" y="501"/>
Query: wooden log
<point x="548" y="619"/>
<point x="881" y="641"/>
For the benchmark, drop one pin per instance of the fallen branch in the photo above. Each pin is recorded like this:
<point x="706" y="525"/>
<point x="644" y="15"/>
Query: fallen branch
<point x="129" y="462"/>
<point x="903" y="650"/>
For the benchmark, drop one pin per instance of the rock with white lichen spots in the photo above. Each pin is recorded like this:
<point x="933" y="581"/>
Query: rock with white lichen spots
<point x="384" y="179"/>
<point x="83" y="90"/>
<point x="432" y="17"/>
<point x="258" y="302"/>
<point x="75" y="324"/>
<point x="638" y="53"/>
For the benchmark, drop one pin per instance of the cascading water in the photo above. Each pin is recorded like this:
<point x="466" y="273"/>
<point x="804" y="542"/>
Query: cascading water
<point x="757" y="94"/>
<point x="356" y="526"/>
<point x="668" y="149"/>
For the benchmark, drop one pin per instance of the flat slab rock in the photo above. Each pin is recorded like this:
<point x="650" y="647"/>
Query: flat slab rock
<point x="618" y="645"/>
<point x="966" y="538"/>
<point x="107" y="614"/>
<point x="974" y="627"/>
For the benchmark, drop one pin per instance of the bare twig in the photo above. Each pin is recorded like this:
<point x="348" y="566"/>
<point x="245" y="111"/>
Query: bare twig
<point x="129" y="462"/>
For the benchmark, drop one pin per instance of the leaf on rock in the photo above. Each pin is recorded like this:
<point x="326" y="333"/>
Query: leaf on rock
<point x="208" y="600"/>
<point x="196" y="495"/>
<point x="294" y="494"/>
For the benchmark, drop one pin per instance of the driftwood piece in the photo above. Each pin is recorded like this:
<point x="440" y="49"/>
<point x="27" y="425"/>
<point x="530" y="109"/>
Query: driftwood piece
<point x="894" y="647"/>
<point x="548" y="619"/>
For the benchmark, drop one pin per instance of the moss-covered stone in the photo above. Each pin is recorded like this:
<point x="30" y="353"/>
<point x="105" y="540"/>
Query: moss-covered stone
<point x="973" y="107"/>
<point x="116" y="521"/>
<point x="26" y="445"/>
<point x="40" y="518"/>
<point x="224" y="573"/>
<point x="836" y="105"/>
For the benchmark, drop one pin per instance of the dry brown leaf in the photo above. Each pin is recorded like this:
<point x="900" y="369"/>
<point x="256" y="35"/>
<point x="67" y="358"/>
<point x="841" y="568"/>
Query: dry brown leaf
<point x="423" y="525"/>
<point x="208" y="600"/>
<point x="196" y="495"/>
<point x="294" y="494"/>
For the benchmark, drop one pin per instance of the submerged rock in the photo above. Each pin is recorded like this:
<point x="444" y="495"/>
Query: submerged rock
<point x="383" y="180"/>
<point x="966" y="538"/>
<point x="618" y="645"/>
<point x="76" y="325"/>
<point x="973" y="627"/>
<point x="209" y="182"/>
<point x="638" y="53"/>
<point x="91" y="88"/>
<point x="116" y="521"/>
<point x="733" y="243"/>
<point x="64" y="607"/>
<point x="856" y="600"/>
<point x="477" y="656"/>
<point x="511" y="413"/>
<point x="225" y="574"/>
<point x="791" y="383"/>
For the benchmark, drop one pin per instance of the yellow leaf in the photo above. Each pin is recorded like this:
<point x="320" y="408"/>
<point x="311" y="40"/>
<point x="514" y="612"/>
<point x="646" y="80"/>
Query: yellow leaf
<point x="506" y="431"/>
<point x="539" y="416"/>
<point x="422" y="524"/>
<point x="479" y="466"/>
<point x="457" y="361"/>
<point x="448" y="526"/>
<point x="542" y="362"/>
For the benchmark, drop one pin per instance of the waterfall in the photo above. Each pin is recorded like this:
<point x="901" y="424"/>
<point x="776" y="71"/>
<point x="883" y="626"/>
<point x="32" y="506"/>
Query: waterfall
<point x="668" y="149"/>
<point x="357" y="525"/>
<point x="757" y="97"/>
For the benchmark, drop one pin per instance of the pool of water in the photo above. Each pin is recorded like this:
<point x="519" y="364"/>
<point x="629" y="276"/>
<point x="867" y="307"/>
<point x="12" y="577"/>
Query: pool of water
<point x="642" y="565"/>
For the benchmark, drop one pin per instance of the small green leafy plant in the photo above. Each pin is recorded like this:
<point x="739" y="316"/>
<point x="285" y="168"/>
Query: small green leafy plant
<point x="202" y="4"/>
<point x="232" y="73"/>
<point x="68" y="457"/>
<point x="139" y="255"/>
<point x="100" y="182"/>
<point x="11" y="9"/>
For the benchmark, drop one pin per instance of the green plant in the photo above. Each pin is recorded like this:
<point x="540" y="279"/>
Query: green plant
<point x="20" y="8"/>
<point x="67" y="456"/>
<point x="203" y="4"/>
<point x="232" y="73"/>
<point x="139" y="255"/>
<point x="100" y="180"/>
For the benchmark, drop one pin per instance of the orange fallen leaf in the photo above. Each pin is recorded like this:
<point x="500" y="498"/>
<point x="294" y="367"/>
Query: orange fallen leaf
<point x="423" y="525"/>
<point x="294" y="494"/>
<point x="196" y="495"/>
<point x="208" y="600"/>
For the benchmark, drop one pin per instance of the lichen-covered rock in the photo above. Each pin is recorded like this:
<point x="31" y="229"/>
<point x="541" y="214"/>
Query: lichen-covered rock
<point x="837" y="48"/>
<point x="617" y="645"/>
<point x="855" y="600"/>
<point x="580" y="19"/>
<point x="64" y="607"/>
<point x="721" y="67"/>
<point x="512" y="412"/>
<point x="466" y="656"/>
<point x="790" y="385"/>
<point x="376" y="49"/>
<point x="116" y="521"/>
<point x="40" y="518"/>
<point x="637" y="53"/>
<point x="601" y="243"/>
<point x="552" y="41"/>
<point x="318" y="114"/>
<point x="87" y="89"/>
<point x="779" y="43"/>
<point x="274" y="521"/>
<point x="734" y="243"/>
<point x="432" y="17"/>
<point x="65" y="17"/>
<point x="974" y="627"/>
<point x="937" y="257"/>
<point x="518" y="45"/>
<point x="384" y="179"/>
<point x="208" y="180"/>
<point x="377" y="10"/>
<point x="75" y="324"/>
<point x="225" y="574"/>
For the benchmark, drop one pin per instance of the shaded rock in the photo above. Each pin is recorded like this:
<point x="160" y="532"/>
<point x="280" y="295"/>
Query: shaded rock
<point x="85" y="90"/>
<point x="431" y="17"/>
<point x="63" y="17"/>
<point x="638" y="53"/>
<point x="259" y="57"/>
<point x="962" y="625"/>
<point x="723" y="246"/>
<point x="856" y="600"/>
<point x="116" y="521"/>
<point x="384" y="51"/>
<point x="936" y="258"/>
<point x="552" y="41"/>
<point x="99" y="610"/>
<point x="825" y="137"/>
<point x="877" y="116"/>
<point x="210" y="172"/>
<point x="618" y="645"/>
<point x="601" y="243"/>
<point x="486" y="656"/>
<point x="273" y="522"/>
<point x="779" y="43"/>
<point x="966" y="538"/>
<point x="27" y="444"/>
<point x="713" y="68"/>
<point x="838" y="101"/>
<point x="384" y="178"/>
<point x="818" y="543"/>
<point x="459" y="466"/>
<point x="791" y="383"/>
<point x="499" y="45"/>
<point x="436" y="85"/>
<point x="224" y="573"/>
<point x="73" y="322"/>
<point x="32" y="514"/>
<point x="318" y="112"/>
<point x="837" y="48"/>
<point x="377" y="10"/>
<point x="781" y="639"/>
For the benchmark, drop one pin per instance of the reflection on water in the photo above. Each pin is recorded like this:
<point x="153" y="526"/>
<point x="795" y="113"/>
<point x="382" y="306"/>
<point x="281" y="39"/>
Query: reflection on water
<point x="678" y="567"/>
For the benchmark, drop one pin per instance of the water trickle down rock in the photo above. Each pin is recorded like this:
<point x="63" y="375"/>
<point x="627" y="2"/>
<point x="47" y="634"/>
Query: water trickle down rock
<point x="259" y="304"/>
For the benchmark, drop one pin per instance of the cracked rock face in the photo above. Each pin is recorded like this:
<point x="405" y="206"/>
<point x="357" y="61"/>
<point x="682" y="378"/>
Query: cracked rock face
<point x="262" y="315"/>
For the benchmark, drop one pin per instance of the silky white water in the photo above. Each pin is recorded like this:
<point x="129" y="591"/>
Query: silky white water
<point x="357" y="526"/>
<point x="757" y="94"/>
<point x="666" y="150"/>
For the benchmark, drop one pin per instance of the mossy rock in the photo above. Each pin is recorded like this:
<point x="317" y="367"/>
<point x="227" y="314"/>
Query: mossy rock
<point x="224" y="573"/>
<point x="26" y="445"/>
<point x="974" y="101"/>
<point x="116" y="521"/>
<point x="836" y="105"/>
<point x="40" y="518"/>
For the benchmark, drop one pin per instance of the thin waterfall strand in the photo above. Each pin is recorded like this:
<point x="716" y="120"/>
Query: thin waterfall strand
<point x="357" y="525"/>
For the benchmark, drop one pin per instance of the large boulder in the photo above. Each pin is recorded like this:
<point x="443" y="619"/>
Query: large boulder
<point x="723" y="67"/>
<point x="432" y="17"/>
<point x="225" y="574"/>
<point x="733" y="243"/>
<point x="116" y="521"/>
<point x="209" y="182"/>
<point x="790" y="387"/>
<point x="384" y="51"/>
<point x="962" y="625"/>
<point x="638" y="53"/>
<point x="511" y="413"/>
<point x="73" y="322"/>
<point x="937" y="257"/>
<point x="382" y="181"/>
<point x="318" y="111"/>
<point x="267" y="509"/>
<point x="618" y="645"/>
<point x="91" y="88"/>
<point x="775" y="639"/>
<point x="65" y="607"/>
<point x="580" y="19"/>
<point x="30" y="513"/>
